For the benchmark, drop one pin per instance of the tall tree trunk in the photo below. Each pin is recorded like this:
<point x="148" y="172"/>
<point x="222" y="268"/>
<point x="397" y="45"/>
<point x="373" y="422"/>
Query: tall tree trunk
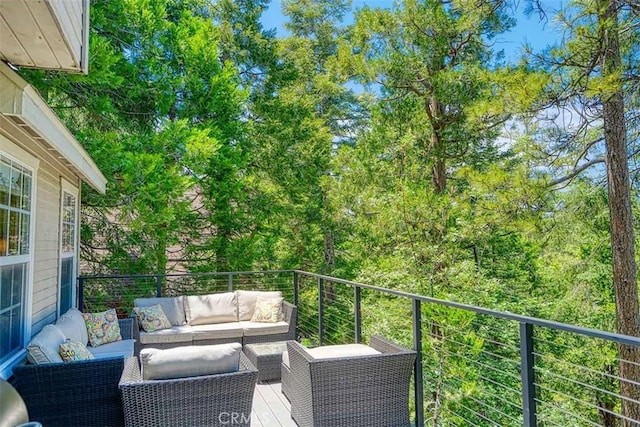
<point x="329" y="252"/>
<point x="436" y="148"/>
<point x="622" y="240"/>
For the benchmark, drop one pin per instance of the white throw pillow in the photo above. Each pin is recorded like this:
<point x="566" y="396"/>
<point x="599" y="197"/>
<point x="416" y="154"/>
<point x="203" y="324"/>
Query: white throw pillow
<point x="247" y="302"/>
<point x="189" y="361"/>
<point x="72" y="326"/>
<point x="267" y="310"/>
<point x="213" y="308"/>
<point x="44" y="347"/>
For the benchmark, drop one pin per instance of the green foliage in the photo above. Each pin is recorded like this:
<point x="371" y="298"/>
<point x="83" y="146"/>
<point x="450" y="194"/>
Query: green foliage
<point x="400" y="151"/>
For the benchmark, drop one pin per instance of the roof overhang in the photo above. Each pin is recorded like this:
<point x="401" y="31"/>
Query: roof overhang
<point x="50" y="34"/>
<point x="24" y="114"/>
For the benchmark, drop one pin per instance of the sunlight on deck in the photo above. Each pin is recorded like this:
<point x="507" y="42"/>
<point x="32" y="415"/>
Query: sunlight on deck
<point x="270" y="407"/>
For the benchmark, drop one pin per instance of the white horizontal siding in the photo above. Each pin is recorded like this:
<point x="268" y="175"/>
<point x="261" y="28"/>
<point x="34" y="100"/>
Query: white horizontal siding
<point x="46" y="251"/>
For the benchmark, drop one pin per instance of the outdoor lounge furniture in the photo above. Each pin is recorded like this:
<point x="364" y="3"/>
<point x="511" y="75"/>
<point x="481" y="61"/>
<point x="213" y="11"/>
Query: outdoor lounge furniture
<point x="216" y="319"/>
<point x="267" y="358"/>
<point x="336" y="389"/>
<point x="207" y="400"/>
<point x="82" y="393"/>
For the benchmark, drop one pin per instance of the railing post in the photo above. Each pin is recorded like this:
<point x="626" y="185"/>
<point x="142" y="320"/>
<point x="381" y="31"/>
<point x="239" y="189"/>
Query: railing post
<point x="80" y="293"/>
<point x="158" y="286"/>
<point x="320" y="311"/>
<point x="528" y="374"/>
<point x="417" y="346"/>
<point x="358" y="318"/>
<point x="230" y="282"/>
<point x="295" y="288"/>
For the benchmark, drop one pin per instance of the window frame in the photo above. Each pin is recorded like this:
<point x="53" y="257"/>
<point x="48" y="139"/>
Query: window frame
<point x="27" y="161"/>
<point x="67" y="187"/>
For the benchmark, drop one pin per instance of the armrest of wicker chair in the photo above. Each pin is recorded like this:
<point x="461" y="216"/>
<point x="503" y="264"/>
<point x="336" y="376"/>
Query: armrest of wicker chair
<point x="127" y="326"/>
<point x="202" y="400"/>
<point x="370" y="390"/>
<point x="131" y="328"/>
<point x="291" y="317"/>
<point x="72" y="394"/>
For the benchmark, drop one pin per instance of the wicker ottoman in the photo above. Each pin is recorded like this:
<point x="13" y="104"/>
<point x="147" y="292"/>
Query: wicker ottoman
<point x="267" y="357"/>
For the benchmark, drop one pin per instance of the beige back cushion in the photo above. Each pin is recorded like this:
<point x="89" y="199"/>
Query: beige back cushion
<point x="212" y="308"/>
<point x="73" y="327"/>
<point x="189" y="361"/>
<point x="247" y="301"/>
<point x="173" y="308"/>
<point x="44" y="347"/>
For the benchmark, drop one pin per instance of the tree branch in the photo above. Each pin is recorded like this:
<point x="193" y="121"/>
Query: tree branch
<point x="577" y="171"/>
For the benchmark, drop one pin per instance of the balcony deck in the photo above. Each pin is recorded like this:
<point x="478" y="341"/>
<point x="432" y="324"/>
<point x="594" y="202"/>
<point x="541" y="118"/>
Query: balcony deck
<point x="521" y="370"/>
<point x="270" y="407"/>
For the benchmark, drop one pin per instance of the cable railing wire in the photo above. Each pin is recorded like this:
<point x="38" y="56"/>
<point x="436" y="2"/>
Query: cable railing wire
<point x="487" y="345"/>
<point x="582" y="402"/>
<point x="585" y="368"/>
<point x="571" y="414"/>
<point x="589" y="386"/>
<point x="495" y="396"/>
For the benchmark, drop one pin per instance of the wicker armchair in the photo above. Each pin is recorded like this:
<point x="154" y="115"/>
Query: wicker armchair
<point x="371" y="390"/>
<point x="208" y="400"/>
<point x="81" y="393"/>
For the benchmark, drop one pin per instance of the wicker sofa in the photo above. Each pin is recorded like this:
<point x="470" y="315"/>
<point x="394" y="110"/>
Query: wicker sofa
<point x="216" y="319"/>
<point x="349" y="385"/>
<point x="207" y="400"/>
<point x="83" y="393"/>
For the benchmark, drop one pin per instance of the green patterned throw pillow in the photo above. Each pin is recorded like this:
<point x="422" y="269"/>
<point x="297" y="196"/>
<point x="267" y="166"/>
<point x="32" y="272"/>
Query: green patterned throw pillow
<point x="102" y="328"/>
<point x="152" y="318"/>
<point x="268" y="310"/>
<point x="71" y="351"/>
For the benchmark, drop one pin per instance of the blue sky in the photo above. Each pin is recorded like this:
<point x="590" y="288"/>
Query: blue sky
<point x="527" y="30"/>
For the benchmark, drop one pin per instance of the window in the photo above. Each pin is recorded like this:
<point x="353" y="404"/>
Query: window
<point x="15" y="237"/>
<point x="68" y="254"/>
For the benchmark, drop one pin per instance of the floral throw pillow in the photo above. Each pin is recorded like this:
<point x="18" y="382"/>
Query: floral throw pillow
<point x="152" y="318"/>
<point x="71" y="351"/>
<point x="268" y="310"/>
<point x="102" y="328"/>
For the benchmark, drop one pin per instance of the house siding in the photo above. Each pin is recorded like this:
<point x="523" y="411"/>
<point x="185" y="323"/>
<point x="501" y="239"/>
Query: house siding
<point x="46" y="250"/>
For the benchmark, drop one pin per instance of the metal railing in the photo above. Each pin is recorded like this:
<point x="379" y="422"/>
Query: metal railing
<point x="475" y="366"/>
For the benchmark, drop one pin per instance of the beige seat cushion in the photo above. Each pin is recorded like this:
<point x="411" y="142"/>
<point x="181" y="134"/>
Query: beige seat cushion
<point x="247" y="301"/>
<point x="190" y="361"/>
<point x="175" y="334"/>
<point x="44" y="347"/>
<point x="173" y="308"/>
<point x="73" y="327"/>
<point x="335" y="352"/>
<point x="123" y="348"/>
<point x="212" y="308"/>
<point x="252" y="329"/>
<point x="216" y="331"/>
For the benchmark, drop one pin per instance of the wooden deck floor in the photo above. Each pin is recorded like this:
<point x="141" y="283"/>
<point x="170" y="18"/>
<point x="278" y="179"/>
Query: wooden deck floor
<point x="270" y="407"/>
